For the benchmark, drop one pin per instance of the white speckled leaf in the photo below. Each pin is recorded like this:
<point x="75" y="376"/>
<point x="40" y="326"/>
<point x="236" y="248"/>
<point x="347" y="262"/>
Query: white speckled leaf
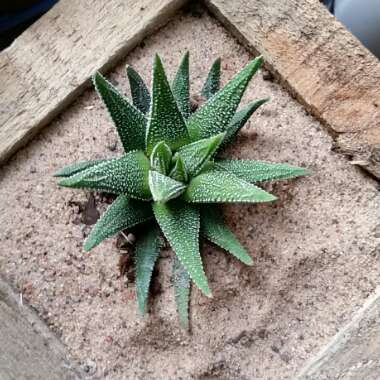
<point x="127" y="174"/>
<point x="181" y="281"/>
<point x="165" y="122"/>
<point x="179" y="171"/>
<point x="241" y="117"/>
<point x="139" y="91"/>
<point x="214" y="229"/>
<point x="196" y="155"/>
<point x="256" y="171"/>
<point x="161" y="158"/>
<point x="181" y="86"/>
<point x="129" y="121"/>
<point x="179" y="223"/>
<point x="215" y="115"/>
<point x="212" y="83"/>
<point x="217" y="186"/>
<point x="121" y="214"/>
<point x="146" y="254"/>
<point x="72" y="169"/>
<point x="164" y="188"/>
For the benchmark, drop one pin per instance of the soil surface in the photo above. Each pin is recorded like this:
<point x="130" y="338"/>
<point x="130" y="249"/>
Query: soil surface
<point x="316" y="250"/>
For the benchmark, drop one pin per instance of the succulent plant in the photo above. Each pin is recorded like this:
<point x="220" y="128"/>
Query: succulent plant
<point x="170" y="178"/>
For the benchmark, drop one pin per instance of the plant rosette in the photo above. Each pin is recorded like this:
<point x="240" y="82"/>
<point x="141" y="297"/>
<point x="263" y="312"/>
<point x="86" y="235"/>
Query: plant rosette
<point x="170" y="177"/>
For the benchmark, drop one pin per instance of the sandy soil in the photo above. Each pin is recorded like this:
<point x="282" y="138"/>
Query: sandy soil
<point x="316" y="251"/>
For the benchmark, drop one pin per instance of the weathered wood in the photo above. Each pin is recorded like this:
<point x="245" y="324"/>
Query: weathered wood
<point x="28" y="350"/>
<point x="52" y="61"/>
<point x="354" y="352"/>
<point x="322" y="64"/>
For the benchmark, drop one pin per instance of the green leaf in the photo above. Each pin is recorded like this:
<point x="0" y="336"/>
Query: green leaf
<point x="127" y="174"/>
<point x="146" y="254"/>
<point x="212" y="83"/>
<point x="256" y="171"/>
<point x="179" y="223"/>
<point x="181" y="86"/>
<point x="215" y="230"/>
<point x="215" y="115"/>
<point x="121" y="214"/>
<point x="179" y="171"/>
<point x="181" y="280"/>
<point x="196" y="155"/>
<point x="165" y="120"/>
<point x="217" y="186"/>
<point x="69" y="170"/>
<point x="129" y="121"/>
<point x="139" y="91"/>
<point x="241" y="117"/>
<point x="164" y="188"/>
<point x="161" y="158"/>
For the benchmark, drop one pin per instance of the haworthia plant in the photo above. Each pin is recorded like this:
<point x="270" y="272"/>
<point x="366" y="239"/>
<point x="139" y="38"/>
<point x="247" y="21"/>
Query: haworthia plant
<point x="170" y="172"/>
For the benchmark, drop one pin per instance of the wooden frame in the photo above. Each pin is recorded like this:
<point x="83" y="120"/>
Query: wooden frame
<point x="308" y="50"/>
<point x="29" y="350"/>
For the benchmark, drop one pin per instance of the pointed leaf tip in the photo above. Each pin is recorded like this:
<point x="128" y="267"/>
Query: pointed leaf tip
<point x="181" y="86"/>
<point x="139" y="90"/>
<point x="127" y="174"/>
<point x="166" y="122"/>
<point x="79" y="166"/>
<point x="257" y="171"/>
<point x="215" y="230"/>
<point x="146" y="253"/>
<point x="121" y="214"/>
<point x="182" y="285"/>
<point x="241" y="117"/>
<point x="216" y="114"/>
<point x="129" y="121"/>
<point x="212" y="83"/>
<point x="214" y="186"/>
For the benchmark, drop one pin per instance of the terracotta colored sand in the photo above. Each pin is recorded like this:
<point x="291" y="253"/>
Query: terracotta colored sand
<point x="315" y="251"/>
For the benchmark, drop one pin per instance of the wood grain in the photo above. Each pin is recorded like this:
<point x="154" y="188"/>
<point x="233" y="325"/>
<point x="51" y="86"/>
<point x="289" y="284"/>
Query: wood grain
<point x="354" y="352"/>
<point x="322" y="64"/>
<point x="48" y="66"/>
<point x="28" y="350"/>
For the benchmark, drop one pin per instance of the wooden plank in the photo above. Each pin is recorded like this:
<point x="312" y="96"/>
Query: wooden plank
<point x="28" y="350"/>
<point x="322" y="64"/>
<point x="354" y="352"/>
<point x="52" y="61"/>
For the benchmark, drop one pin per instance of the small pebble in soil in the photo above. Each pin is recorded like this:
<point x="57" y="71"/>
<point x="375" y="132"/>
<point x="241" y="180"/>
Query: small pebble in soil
<point x="131" y="238"/>
<point x="285" y="356"/>
<point x="262" y="334"/>
<point x="267" y="75"/>
<point x="89" y="368"/>
<point x="112" y="145"/>
<point x="274" y="348"/>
